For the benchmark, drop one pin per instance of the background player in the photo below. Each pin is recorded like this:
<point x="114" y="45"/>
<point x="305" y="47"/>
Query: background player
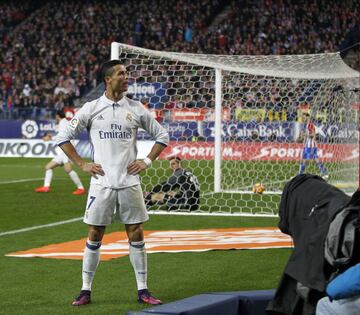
<point x="60" y="160"/>
<point x="180" y="191"/>
<point x="310" y="150"/>
<point x="112" y="121"/>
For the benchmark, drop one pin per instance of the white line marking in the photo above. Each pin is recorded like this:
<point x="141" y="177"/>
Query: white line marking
<point x="20" y="165"/>
<point x="27" y="180"/>
<point x="40" y="227"/>
<point x="212" y="214"/>
<point x="20" y="180"/>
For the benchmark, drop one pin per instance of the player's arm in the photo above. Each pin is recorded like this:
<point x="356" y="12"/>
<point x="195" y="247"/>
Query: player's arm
<point x="138" y="165"/>
<point x="69" y="132"/>
<point x="161" y="137"/>
<point x="93" y="169"/>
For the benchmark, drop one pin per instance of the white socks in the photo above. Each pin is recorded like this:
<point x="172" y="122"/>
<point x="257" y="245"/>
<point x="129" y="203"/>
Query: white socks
<point x="75" y="178"/>
<point x="90" y="262"/>
<point x="48" y="177"/>
<point x="138" y="260"/>
<point x="73" y="175"/>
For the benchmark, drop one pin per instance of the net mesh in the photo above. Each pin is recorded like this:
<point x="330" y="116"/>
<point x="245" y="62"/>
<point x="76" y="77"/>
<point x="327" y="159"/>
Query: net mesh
<point x="272" y="107"/>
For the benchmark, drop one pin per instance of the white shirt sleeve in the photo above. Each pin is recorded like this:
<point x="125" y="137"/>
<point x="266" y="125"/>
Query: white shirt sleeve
<point x="152" y="126"/>
<point x="62" y="125"/>
<point x="77" y="124"/>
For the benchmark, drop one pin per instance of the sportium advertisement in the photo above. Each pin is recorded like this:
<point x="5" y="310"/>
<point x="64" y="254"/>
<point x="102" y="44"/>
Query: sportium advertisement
<point x="195" y="140"/>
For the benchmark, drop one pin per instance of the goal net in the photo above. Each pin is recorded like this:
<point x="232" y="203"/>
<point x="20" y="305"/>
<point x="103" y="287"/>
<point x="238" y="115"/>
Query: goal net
<point x="237" y="121"/>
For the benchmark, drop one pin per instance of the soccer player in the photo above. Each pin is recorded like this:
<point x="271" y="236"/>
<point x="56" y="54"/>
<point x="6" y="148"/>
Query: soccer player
<point x="180" y="191"/>
<point x="310" y="150"/>
<point x="112" y="122"/>
<point x="60" y="160"/>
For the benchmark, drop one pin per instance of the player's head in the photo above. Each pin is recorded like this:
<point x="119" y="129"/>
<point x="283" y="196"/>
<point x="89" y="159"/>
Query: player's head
<point x="175" y="163"/>
<point x="306" y="117"/>
<point x="60" y="114"/>
<point x="114" y="75"/>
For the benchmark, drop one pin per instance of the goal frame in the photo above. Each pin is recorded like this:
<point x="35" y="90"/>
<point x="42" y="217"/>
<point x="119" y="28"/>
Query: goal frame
<point x="218" y="110"/>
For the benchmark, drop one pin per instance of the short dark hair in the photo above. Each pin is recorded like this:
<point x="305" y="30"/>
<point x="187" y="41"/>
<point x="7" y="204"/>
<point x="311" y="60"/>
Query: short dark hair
<point x="60" y="113"/>
<point x="107" y="68"/>
<point x="175" y="158"/>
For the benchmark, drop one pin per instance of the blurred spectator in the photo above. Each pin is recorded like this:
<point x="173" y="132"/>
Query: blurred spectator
<point x="52" y="49"/>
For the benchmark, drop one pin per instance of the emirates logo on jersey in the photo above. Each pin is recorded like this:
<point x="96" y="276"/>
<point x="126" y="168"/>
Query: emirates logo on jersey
<point x="129" y="117"/>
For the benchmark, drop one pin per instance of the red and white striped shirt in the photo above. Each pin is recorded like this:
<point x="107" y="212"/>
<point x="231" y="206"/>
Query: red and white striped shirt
<point x="309" y="141"/>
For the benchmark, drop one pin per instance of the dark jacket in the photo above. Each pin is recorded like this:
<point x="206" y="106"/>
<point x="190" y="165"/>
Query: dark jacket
<point x="308" y="204"/>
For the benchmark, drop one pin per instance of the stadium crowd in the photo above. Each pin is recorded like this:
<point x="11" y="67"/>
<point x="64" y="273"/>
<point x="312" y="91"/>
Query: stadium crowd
<point x="51" y="51"/>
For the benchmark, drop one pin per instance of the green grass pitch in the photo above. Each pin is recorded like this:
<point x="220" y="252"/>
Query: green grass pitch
<point x="46" y="286"/>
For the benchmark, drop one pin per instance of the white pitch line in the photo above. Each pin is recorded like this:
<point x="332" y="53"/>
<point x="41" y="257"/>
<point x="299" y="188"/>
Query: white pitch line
<point x="26" y="180"/>
<point x="20" y="165"/>
<point x="212" y="214"/>
<point x="40" y="227"/>
<point x="21" y="180"/>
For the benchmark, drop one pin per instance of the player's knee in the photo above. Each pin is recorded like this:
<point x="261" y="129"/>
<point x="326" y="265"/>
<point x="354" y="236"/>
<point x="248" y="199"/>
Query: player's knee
<point x="96" y="233"/>
<point x="67" y="168"/>
<point x="135" y="232"/>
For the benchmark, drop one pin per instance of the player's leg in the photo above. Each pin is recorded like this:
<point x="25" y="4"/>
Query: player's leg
<point x="304" y="158"/>
<point x="302" y="166"/>
<point x="188" y="200"/>
<point x="138" y="259"/>
<point x="48" y="176"/>
<point x="137" y="253"/>
<point x="321" y="167"/>
<point x="91" y="255"/>
<point x="75" y="178"/>
<point x="176" y="203"/>
<point x="193" y="200"/>
<point x="132" y="212"/>
<point x="91" y="261"/>
<point x="99" y="210"/>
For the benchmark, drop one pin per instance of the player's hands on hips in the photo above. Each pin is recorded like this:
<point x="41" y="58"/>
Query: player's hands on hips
<point x="93" y="169"/>
<point x="136" y="167"/>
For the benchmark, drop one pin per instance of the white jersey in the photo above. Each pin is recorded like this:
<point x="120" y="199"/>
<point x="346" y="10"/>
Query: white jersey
<point x="61" y="127"/>
<point x="113" y="130"/>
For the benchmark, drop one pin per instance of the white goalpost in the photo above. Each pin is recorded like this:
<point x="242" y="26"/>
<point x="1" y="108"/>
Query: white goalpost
<point x="236" y="121"/>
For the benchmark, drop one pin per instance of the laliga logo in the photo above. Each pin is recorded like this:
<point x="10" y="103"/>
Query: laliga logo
<point x="73" y="123"/>
<point x="29" y="129"/>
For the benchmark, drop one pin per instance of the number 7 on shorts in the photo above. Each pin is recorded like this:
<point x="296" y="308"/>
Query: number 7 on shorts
<point x="92" y="199"/>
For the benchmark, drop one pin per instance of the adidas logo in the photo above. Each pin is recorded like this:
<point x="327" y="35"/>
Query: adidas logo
<point x="100" y="117"/>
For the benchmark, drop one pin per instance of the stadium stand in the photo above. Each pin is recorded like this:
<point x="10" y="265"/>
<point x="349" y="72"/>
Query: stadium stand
<point x="51" y="51"/>
<point x="284" y="27"/>
<point x="52" y="58"/>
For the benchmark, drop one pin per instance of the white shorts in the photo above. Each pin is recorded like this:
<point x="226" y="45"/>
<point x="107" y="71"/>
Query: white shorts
<point x="61" y="159"/>
<point x="105" y="204"/>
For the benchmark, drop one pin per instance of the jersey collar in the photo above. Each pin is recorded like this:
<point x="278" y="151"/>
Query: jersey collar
<point x="110" y="102"/>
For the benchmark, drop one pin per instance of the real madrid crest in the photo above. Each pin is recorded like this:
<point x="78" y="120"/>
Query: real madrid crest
<point x="129" y="117"/>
